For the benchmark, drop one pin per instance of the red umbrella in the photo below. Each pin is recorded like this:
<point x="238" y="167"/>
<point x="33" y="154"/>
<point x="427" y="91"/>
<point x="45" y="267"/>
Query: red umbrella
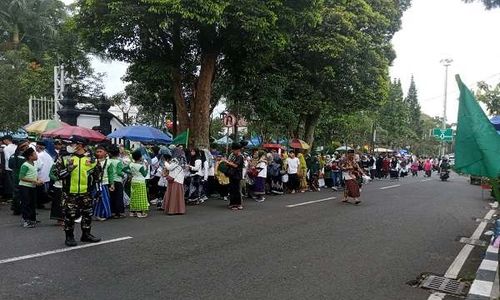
<point x="299" y="144"/>
<point x="70" y="131"/>
<point x="273" y="146"/>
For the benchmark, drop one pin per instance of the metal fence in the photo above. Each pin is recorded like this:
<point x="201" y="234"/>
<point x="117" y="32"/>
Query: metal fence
<point x="42" y="109"/>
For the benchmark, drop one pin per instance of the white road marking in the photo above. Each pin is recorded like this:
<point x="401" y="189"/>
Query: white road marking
<point x="390" y="186"/>
<point x="310" y="202"/>
<point x="436" y="296"/>
<point x="425" y="180"/>
<point x="39" y="254"/>
<point x="455" y="267"/>
<point x="459" y="261"/>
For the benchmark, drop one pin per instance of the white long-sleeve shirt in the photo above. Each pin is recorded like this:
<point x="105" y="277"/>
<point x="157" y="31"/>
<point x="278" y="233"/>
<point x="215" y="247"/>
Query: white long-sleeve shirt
<point x="44" y="164"/>
<point x="8" y="151"/>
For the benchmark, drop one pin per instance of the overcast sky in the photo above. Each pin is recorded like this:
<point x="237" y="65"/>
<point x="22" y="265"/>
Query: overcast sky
<point x="437" y="29"/>
<point x="432" y="30"/>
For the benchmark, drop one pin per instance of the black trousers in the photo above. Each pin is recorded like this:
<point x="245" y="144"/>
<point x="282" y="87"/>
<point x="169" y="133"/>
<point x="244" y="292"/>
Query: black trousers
<point x="8" y="187"/>
<point x="28" y="202"/>
<point x="16" y="201"/>
<point x="56" y="211"/>
<point x="117" y="205"/>
<point x="293" y="181"/>
<point x="234" y="192"/>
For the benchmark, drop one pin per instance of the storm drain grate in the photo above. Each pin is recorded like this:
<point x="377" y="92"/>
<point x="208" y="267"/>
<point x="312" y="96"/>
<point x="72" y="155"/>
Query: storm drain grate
<point x="446" y="285"/>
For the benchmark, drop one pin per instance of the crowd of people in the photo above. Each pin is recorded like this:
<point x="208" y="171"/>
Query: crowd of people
<point x="85" y="183"/>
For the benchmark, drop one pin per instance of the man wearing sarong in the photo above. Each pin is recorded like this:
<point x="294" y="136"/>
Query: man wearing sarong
<point x="351" y="173"/>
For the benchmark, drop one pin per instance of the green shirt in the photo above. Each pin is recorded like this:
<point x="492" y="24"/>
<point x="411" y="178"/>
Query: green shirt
<point x="117" y="166"/>
<point x="28" y="171"/>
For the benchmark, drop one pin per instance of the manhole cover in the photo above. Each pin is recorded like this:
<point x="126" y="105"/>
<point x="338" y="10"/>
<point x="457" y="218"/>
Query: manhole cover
<point x="446" y="285"/>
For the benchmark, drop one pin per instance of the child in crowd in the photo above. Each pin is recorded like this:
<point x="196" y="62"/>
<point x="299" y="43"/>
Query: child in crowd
<point x="116" y="193"/>
<point x="139" y="204"/>
<point x="28" y="180"/>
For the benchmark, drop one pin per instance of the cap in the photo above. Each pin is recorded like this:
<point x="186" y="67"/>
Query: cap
<point x="76" y="139"/>
<point x="41" y="143"/>
<point x="236" y="146"/>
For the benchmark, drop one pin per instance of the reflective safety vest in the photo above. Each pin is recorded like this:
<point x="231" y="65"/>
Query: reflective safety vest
<point x="79" y="177"/>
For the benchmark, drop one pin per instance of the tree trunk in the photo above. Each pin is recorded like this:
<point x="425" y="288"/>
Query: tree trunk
<point x="200" y="112"/>
<point x="15" y="37"/>
<point x="311" y="122"/>
<point x="180" y="102"/>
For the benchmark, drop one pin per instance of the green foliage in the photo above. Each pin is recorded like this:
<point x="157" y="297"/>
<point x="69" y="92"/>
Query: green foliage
<point x="489" y="4"/>
<point x="35" y="36"/>
<point x="414" y="109"/>
<point x="335" y="65"/>
<point x="489" y="95"/>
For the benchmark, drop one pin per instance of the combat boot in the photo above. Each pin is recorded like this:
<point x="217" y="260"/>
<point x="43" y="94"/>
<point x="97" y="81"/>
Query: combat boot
<point x="87" y="237"/>
<point x="70" y="239"/>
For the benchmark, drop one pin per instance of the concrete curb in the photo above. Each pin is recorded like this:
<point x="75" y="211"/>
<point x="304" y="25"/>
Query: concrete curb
<point x="482" y="287"/>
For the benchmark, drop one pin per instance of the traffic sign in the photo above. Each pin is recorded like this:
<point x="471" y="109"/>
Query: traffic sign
<point x="445" y="135"/>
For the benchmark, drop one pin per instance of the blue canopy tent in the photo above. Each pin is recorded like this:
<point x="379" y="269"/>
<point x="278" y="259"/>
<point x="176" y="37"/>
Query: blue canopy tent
<point x="495" y="120"/>
<point x="144" y="134"/>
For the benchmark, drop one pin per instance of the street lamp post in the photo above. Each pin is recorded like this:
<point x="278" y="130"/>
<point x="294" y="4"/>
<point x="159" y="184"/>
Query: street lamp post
<point x="446" y="63"/>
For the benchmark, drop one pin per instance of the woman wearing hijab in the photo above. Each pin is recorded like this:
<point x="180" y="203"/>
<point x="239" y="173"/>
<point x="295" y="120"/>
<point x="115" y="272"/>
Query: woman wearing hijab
<point x="302" y="173"/>
<point x="173" y="201"/>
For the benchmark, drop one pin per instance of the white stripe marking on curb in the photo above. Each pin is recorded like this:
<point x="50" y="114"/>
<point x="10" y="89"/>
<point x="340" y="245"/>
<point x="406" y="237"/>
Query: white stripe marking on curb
<point x="39" y="254"/>
<point x="481" y="288"/>
<point x="436" y="296"/>
<point x="390" y="187"/>
<point x="459" y="261"/>
<point x="488" y="265"/>
<point x="310" y="202"/>
<point x="492" y="249"/>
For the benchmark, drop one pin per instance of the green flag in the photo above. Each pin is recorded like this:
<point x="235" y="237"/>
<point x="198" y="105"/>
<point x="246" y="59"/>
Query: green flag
<point x="477" y="149"/>
<point x="182" y="138"/>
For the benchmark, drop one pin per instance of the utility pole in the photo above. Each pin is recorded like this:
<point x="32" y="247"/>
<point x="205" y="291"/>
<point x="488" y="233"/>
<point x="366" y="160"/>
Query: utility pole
<point x="59" y="83"/>
<point x="446" y="62"/>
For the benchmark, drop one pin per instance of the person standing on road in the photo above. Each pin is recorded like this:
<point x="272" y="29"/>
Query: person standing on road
<point x="78" y="175"/>
<point x="105" y="184"/>
<point x="173" y="201"/>
<point x="293" y="165"/>
<point x="235" y="162"/>
<point x="116" y="195"/>
<point x="15" y="162"/>
<point x="8" y="151"/>
<point x="351" y="173"/>
<point x="428" y="167"/>
<point x="139" y="205"/>
<point x="44" y="165"/>
<point x="28" y="181"/>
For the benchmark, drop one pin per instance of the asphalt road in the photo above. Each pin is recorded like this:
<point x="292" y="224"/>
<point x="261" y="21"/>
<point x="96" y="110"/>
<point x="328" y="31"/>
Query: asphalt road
<point x="323" y="250"/>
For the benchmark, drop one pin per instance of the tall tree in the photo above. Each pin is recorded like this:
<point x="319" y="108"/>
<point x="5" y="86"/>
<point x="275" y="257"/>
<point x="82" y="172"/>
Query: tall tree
<point x="334" y="66"/>
<point x="489" y="95"/>
<point x="394" y="117"/>
<point x="36" y="35"/>
<point x="414" y="109"/>
<point x="192" y="39"/>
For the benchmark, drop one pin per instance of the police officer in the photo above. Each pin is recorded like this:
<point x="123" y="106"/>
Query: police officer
<point x="78" y="173"/>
